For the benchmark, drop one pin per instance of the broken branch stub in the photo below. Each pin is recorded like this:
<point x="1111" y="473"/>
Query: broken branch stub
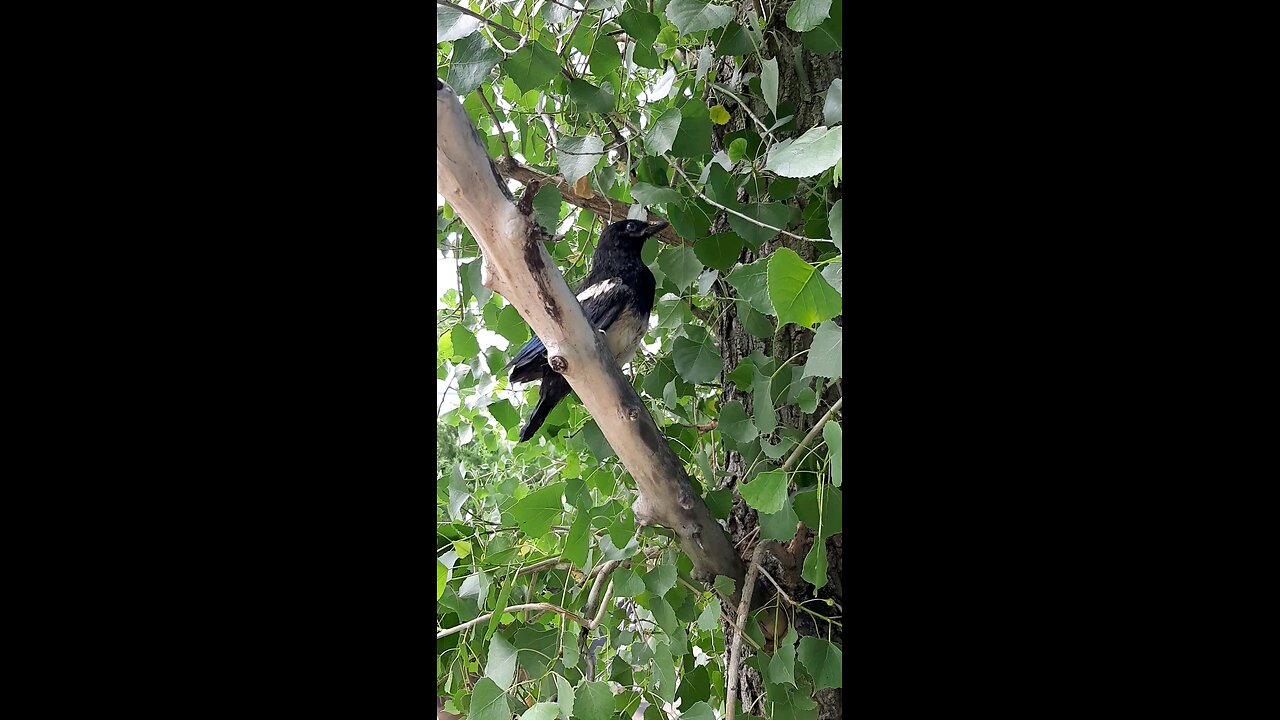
<point x="519" y="268"/>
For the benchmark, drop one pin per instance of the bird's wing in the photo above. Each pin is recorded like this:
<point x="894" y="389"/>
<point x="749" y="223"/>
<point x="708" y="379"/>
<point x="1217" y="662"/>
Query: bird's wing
<point x="602" y="302"/>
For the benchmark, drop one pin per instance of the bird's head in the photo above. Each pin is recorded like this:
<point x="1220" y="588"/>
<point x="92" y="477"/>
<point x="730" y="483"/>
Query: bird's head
<point x="630" y="234"/>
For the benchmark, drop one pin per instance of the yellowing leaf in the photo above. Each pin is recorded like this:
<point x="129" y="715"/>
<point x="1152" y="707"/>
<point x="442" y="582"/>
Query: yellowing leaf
<point x="719" y="115"/>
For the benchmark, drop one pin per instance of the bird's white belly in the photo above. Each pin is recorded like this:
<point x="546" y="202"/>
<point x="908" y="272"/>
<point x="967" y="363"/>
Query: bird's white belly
<point x="624" y="336"/>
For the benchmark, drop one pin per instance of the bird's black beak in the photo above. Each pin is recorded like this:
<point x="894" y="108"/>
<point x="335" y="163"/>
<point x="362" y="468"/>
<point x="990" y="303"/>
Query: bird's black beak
<point x="654" y="228"/>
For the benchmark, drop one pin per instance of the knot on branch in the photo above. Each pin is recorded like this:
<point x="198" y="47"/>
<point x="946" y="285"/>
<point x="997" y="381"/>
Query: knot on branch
<point x="558" y="363"/>
<point x="630" y="413"/>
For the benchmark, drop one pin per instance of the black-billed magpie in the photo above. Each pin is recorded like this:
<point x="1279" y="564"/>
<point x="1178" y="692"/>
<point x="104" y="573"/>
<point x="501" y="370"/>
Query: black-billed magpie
<point x="617" y="297"/>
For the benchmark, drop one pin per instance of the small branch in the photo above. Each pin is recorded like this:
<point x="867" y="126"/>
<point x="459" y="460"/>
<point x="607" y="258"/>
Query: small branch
<point x="704" y="428"/>
<point x="483" y="19"/>
<point x="730" y="210"/>
<point x="698" y="312"/>
<point x="548" y="607"/>
<point x="795" y="456"/>
<point x="787" y="597"/>
<point x="605" y="569"/>
<point x="497" y="122"/>
<point x="735" y="653"/>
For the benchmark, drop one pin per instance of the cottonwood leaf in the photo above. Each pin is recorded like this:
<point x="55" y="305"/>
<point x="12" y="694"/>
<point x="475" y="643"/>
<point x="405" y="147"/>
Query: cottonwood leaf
<point x="442" y="577"/>
<point x="735" y="423"/>
<point x="452" y="24"/>
<point x="719" y="115"/>
<point x="810" y="154"/>
<point x="664" y="671"/>
<point x="783" y="666"/>
<point x="833" y="105"/>
<point x="538" y="511"/>
<point x="578" y="155"/>
<point x="826" y="352"/>
<point x="647" y="194"/>
<point x="473" y="58"/>
<point x="605" y="58"/>
<point x="694" y="15"/>
<point x="718" y="251"/>
<point x="593" y="700"/>
<point x="694" y="137"/>
<point x="767" y="493"/>
<point x="725" y="585"/>
<point x="780" y="525"/>
<point x="697" y="711"/>
<point x="564" y="697"/>
<point x="532" y="66"/>
<point x="661" y="135"/>
<point x="833" y="273"/>
<point x="696" y="361"/>
<point x="591" y="98"/>
<point x="825" y="38"/>
<point x="806" y="15"/>
<point x="489" y="702"/>
<point x="578" y="541"/>
<point x="824" y="662"/>
<point x="501" y="667"/>
<point x="769" y="83"/>
<point x="710" y="617"/>
<point x="799" y="293"/>
<point x="640" y="25"/>
<point x="751" y="282"/>
<point x="834" y="435"/>
<point x="627" y="584"/>
<point x="541" y="711"/>
<point x="815" y="565"/>
<point x="774" y="215"/>
<point x="835" y="222"/>
<point x="680" y="264"/>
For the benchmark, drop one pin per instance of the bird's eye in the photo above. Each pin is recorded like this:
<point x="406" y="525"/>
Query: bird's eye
<point x="633" y="226"/>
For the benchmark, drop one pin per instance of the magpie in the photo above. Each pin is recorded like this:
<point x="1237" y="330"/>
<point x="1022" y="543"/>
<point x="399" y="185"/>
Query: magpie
<point x="616" y="297"/>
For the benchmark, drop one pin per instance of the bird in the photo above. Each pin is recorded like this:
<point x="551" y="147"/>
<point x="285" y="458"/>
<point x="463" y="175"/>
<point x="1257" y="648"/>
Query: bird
<point x="616" y="297"/>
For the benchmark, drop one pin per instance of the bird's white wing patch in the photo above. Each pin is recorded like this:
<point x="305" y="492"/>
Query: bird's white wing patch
<point x="599" y="288"/>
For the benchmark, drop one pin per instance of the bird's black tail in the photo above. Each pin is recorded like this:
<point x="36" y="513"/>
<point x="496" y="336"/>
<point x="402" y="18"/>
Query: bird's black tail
<point x="554" y="388"/>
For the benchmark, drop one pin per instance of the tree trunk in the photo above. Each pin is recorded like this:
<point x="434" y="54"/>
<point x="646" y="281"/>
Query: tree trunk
<point x="806" y="90"/>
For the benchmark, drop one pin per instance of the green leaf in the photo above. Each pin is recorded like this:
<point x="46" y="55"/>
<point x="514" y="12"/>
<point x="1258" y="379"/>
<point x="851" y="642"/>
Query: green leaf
<point x="825" y="38"/>
<point x="826" y="353"/>
<point x="647" y="194"/>
<point x="442" y="577"/>
<point x="664" y="671"/>
<point x="696" y="361"/>
<point x="501" y="667"/>
<point x="780" y="525"/>
<point x="752" y="285"/>
<point x="694" y="15"/>
<point x="832" y="521"/>
<point x="697" y="711"/>
<point x="719" y="503"/>
<point x="710" y="617"/>
<point x="644" y="56"/>
<point x="590" y="98"/>
<point x="832" y="106"/>
<point x="806" y="15"/>
<point x="661" y="134"/>
<point x="596" y="442"/>
<point x="694" y="138"/>
<point x="578" y="155"/>
<point x="564" y="697"/>
<point x="546" y="206"/>
<point x="834" y="435"/>
<point x="660" y="579"/>
<point x="735" y="423"/>
<point x="640" y="25"/>
<point x="719" y="115"/>
<point x="815" y="565"/>
<point x="605" y="57"/>
<point x="451" y="24"/>
<point x="719" y="251"/>
<point x="663" y="614"/>
<point x="489" y="702"/>
<point x="532" y="66"/>
<point x="799" y="293"/>
<point x="836" y="223"/>
<point x="680" y="264"/>
<point x="594" y="700"/>
<point x="754" y="323"/>
<point x="578" y="541"/>
<point x="737" y="40"/>
<point x="824" y="662"/>
<point x="690" y="220"/>
<point x="782" y="669"/>
<point x="769" y="83"/>
<point x="762" y="403"/>
<point x="737" y="150"/>
<point x="626" y="583"/>
<point x="541" y="711"/>
<point x="538" y="511"/>
<point x="511" y="326"/>
<point x="464" y="343"/>
<point x="473" y="58"/>
<point x="775" y="215"/>
<point x="767" y="493"/>
<point x="810" y="154"/>
<point x="725" y="585"/>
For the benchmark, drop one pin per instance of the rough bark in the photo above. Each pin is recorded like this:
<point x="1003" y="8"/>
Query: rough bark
<point x="517" y="266"/>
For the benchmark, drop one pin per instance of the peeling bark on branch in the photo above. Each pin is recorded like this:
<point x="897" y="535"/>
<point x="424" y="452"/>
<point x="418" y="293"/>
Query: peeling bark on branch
<point x="517" y="267"/>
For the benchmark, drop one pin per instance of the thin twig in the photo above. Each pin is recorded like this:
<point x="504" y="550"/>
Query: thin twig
<point x="548" y="607"/>
<point x="748" y="587"/>
<point x="497" y="122"/>
<point x="787" y="597"/>
<point x="795" y="456"/>
<point x="730" y="210"/>
<point x="482" y="19"/>
<point x="743" y="104"/>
